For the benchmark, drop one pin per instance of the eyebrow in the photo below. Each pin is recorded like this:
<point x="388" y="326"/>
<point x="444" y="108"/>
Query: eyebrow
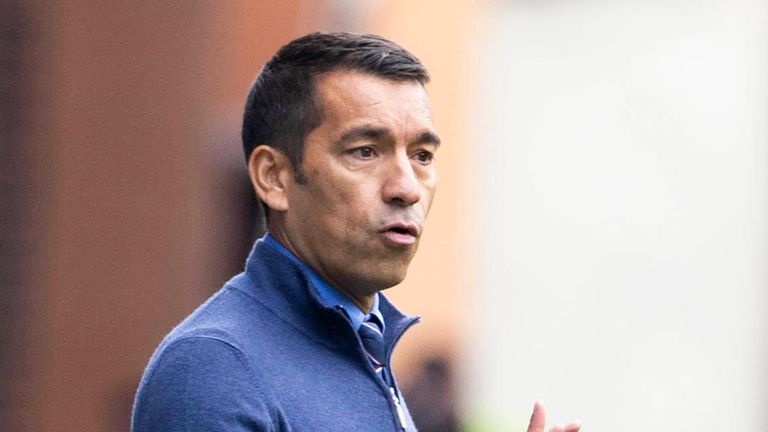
<point x="428" y="138"/>
<point x="382" y="134"/>
<point x="365" y="132"/>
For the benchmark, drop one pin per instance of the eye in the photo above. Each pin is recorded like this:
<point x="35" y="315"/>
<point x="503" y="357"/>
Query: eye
<point x="425" y="157"/>
<point x="363" y="152"/>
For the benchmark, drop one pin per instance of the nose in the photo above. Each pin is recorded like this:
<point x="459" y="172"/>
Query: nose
<point x="401" y="186"/>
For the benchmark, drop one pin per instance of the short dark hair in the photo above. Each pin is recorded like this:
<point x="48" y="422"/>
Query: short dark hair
<point x="282" y="109"/>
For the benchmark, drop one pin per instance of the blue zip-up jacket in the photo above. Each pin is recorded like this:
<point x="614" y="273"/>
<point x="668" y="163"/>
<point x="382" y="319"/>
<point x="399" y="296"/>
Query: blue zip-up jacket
<point x="263" y="354"/>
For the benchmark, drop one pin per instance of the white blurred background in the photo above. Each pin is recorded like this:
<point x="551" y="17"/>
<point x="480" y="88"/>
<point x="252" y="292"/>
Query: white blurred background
<point x="620" y="152"/>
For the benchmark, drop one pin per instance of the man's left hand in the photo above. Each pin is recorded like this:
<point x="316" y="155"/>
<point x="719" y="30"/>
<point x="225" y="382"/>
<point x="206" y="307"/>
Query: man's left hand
<point x="539" y="421"/>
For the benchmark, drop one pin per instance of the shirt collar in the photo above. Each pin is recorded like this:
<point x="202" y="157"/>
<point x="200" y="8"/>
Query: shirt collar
<point x="329" y="296"/>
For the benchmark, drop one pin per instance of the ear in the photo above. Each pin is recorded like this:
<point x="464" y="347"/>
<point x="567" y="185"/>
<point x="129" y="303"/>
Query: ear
<point x="270" y="171"/>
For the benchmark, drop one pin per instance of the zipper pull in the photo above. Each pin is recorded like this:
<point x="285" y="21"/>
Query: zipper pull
<point x="399" y="409"/>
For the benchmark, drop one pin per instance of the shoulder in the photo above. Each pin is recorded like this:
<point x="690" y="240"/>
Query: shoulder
<point x="204" y="375"/>
<point x="200" y="358"/>
<point x="200" y="383"/>
<point x="230" y="316"/>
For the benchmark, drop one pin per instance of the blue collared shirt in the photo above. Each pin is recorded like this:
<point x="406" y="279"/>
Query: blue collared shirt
<point x="329" y="296"/>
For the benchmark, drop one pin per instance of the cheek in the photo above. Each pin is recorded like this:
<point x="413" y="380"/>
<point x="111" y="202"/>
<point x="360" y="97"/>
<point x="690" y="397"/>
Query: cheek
<point x="354" y="208"/>
<point x="428" y="195"/>
<point x="337" y="209"/>
<point x="344" y="204"/>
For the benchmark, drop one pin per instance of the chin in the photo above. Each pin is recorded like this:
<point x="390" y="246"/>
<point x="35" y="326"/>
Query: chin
<point x="388" y="280"/>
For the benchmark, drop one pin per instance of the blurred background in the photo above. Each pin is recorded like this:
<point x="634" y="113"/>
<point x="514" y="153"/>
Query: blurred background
<point x="599" y="239"/>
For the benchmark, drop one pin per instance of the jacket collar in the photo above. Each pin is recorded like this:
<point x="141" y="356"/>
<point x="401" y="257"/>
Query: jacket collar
<point x="328" y="295"/>
<point x="286" y="289"/>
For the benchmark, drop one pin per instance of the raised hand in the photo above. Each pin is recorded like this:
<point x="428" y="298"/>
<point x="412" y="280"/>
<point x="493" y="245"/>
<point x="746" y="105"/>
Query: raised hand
<point x="539" y="421"/>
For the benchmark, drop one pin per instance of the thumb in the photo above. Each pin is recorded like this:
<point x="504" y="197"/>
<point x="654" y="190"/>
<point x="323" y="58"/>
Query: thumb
<point x="538" y="418"/>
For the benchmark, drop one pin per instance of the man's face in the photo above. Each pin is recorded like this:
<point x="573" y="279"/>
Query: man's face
<point x="369" y="184"/>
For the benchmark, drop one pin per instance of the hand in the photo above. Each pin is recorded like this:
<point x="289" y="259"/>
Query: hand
<point x="539" y="420"/>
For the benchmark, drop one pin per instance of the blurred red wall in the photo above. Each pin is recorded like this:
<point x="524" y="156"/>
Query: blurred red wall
<point x="133" y="113"/>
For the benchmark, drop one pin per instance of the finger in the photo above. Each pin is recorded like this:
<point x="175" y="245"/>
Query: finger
<point x="574" y="426"/>
<point x="557" y="428"/>
<point x="538" y="418"/>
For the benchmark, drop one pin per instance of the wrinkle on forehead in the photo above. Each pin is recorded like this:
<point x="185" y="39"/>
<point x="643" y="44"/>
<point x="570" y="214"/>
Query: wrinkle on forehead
<point x="348" y="96"/>
<point x="354" y="91"/>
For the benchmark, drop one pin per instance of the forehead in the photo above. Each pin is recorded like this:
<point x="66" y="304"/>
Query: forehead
<point x="347" y="97"/>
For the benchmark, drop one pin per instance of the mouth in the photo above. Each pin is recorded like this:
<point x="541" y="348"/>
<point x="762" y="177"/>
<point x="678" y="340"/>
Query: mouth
<point x="401" y="234"/>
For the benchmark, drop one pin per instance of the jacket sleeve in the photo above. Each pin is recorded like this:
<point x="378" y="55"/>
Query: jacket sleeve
<point x="200" y="384"/>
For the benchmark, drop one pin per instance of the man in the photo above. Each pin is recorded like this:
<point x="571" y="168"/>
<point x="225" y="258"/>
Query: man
<point x="340" y="144"/>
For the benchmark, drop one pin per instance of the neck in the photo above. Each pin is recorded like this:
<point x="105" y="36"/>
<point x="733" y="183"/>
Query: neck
<point x="363" y="301"/>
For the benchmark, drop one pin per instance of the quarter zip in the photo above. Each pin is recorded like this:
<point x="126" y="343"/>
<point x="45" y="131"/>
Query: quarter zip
<point x="402" y="420"/>
<point x="399" y="409"/>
